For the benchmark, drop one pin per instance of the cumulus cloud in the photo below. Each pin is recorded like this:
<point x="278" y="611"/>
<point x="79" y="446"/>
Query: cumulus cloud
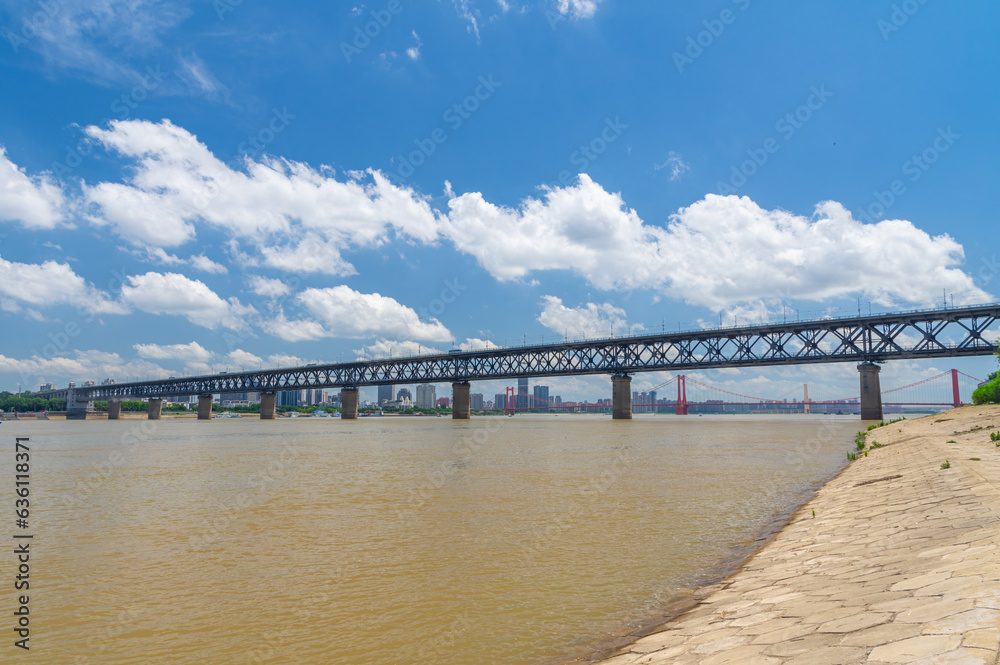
<point x="52" y="283"/>
<point x="37" y="202"/>
<point x="205" y="264"/>
<point x="581" y="228"/>
<point x="78" y="366"/>
<point x="269" y="288"/>
<point x="192" y="352"/>
<point x="244" y="358"/>
<point x="284" y="360"/>
<point x="585" y="322"/>
<point x="476" y="344"/>
<point x="385" y="348"/>
<point x="296" y="218"/>
<point x="345" y="312"/>
<point x="718" y="252"/>
<point x="175" y="294"/>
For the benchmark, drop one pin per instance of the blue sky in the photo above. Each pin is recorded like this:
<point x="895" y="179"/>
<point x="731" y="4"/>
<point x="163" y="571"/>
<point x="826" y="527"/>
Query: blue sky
<point x="191" y="187"/>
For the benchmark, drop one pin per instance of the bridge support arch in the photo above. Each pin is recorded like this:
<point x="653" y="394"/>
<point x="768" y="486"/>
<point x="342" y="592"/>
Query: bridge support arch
<point x="871" y="391"/>
<point x="204" y="407"/>
<point x="460" y="402"/>
<point x="155" y="408"/>
<point x="348" y="403"/>
<point x="114" y="409"/>
<point x="267" y="405"/>
<point x="621" y="397"/>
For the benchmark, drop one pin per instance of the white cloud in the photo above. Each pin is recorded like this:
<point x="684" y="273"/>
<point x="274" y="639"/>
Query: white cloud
<point x="676" y="165"/>
<point x="52" y="283"/>
<point x="468" y="15"/>
<point x="205" y="264"/>
<point x="285" y="360"/>
<point x="581" y="228"/>
<point x="244" y="358"/>
<point x="727" y="250"/>
<point x="79" y="366"/>
<point x="269" y="288"/>
<point x="348" y="313"/>
<point x="175" y="294"/>
<point x="577" y="8"/>
<point x="585" y="322"/>
<point x="414" y="51"/>
<point x="191" y="353"/>
<point x="301" y="330"/>
<point x="195" y="74"/>
<point x="720" y="251"/>
<point x="385" y="348"/>
<point x="97" y="38"/>
<point x="297" y="218"/>
<point x="37" y="202"/>
<point x="476" y="344"/>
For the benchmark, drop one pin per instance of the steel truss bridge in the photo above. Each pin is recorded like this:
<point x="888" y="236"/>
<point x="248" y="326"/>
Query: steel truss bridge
<point x="939" y="333"/>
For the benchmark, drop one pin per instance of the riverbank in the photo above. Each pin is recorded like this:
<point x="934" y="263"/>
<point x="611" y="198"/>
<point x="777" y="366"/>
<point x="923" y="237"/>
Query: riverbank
<point x="896" y="560"/>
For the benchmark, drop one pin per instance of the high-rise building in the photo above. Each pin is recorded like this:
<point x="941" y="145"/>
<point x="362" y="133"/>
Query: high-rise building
<point x="476" y="401"/>
<point x="404" y="393"/>
<point x="500" y="401"/>
<point x="289" y="398"/>
<point x="521" y="401"/>
<point x="47" y="386"/>
<point x="540" y="397"/>
<point x="426" y="396"/>
<point x="443" y="402"/>
<point x="386" y="393"/>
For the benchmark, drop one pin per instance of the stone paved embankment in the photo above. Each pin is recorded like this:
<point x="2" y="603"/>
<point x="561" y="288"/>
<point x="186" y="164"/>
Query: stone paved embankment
<point x="901" y="564"/>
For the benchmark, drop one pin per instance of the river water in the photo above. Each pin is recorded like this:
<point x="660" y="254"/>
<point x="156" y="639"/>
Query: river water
<point x="522" y="540"/>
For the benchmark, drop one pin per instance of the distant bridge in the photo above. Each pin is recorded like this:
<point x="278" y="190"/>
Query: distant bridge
<point x="867" y="340"/>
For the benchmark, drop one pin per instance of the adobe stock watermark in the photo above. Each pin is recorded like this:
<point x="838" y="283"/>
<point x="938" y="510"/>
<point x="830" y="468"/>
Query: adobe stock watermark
<point x="33" y="23"/>
<point x="363" y="35"/>
<point x="449" y="294"/>
<point x="122" y="106"/>
<point x="454" y="117"/>
<point x="787" y="127"/>
<point x="587" y="154"/>
<point x="913" y="168"/>
<point x="698" y="43"/>
<point x="900" y="16"/>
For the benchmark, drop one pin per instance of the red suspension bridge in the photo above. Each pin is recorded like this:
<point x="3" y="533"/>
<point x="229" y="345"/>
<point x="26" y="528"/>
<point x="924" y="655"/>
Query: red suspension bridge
<point x="952" y="388"/>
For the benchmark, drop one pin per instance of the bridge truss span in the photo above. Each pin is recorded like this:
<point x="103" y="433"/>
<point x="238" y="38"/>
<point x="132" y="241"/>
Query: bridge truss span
<point x="864" y="339"/>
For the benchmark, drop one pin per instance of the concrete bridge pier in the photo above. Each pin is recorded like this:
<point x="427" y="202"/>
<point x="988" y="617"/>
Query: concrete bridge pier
<point x="75" y="410"/>
<point x="460" y="405"/>
<point x="348" y="403"/>
<point x="621" y="397"/>
<point x="204" y="407"/>
<point x="267" y="401"/>
<point x="871" y="392"/>
<point x="155" y="408"/>
<point x="114" y="409"/>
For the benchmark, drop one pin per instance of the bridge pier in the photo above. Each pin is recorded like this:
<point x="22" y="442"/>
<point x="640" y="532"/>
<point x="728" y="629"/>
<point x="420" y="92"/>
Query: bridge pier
<point x="348" y="403"/>
<point x="204" y="407"/>
<point x="267" y="401"/>
<point x="155" y="408"/>
<point x="871" y="392"/>
<point x="75" y="410"/>
<point x="460" y="409"/>
<point x="621" y="397"/>
<point x="114" y="409"/>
